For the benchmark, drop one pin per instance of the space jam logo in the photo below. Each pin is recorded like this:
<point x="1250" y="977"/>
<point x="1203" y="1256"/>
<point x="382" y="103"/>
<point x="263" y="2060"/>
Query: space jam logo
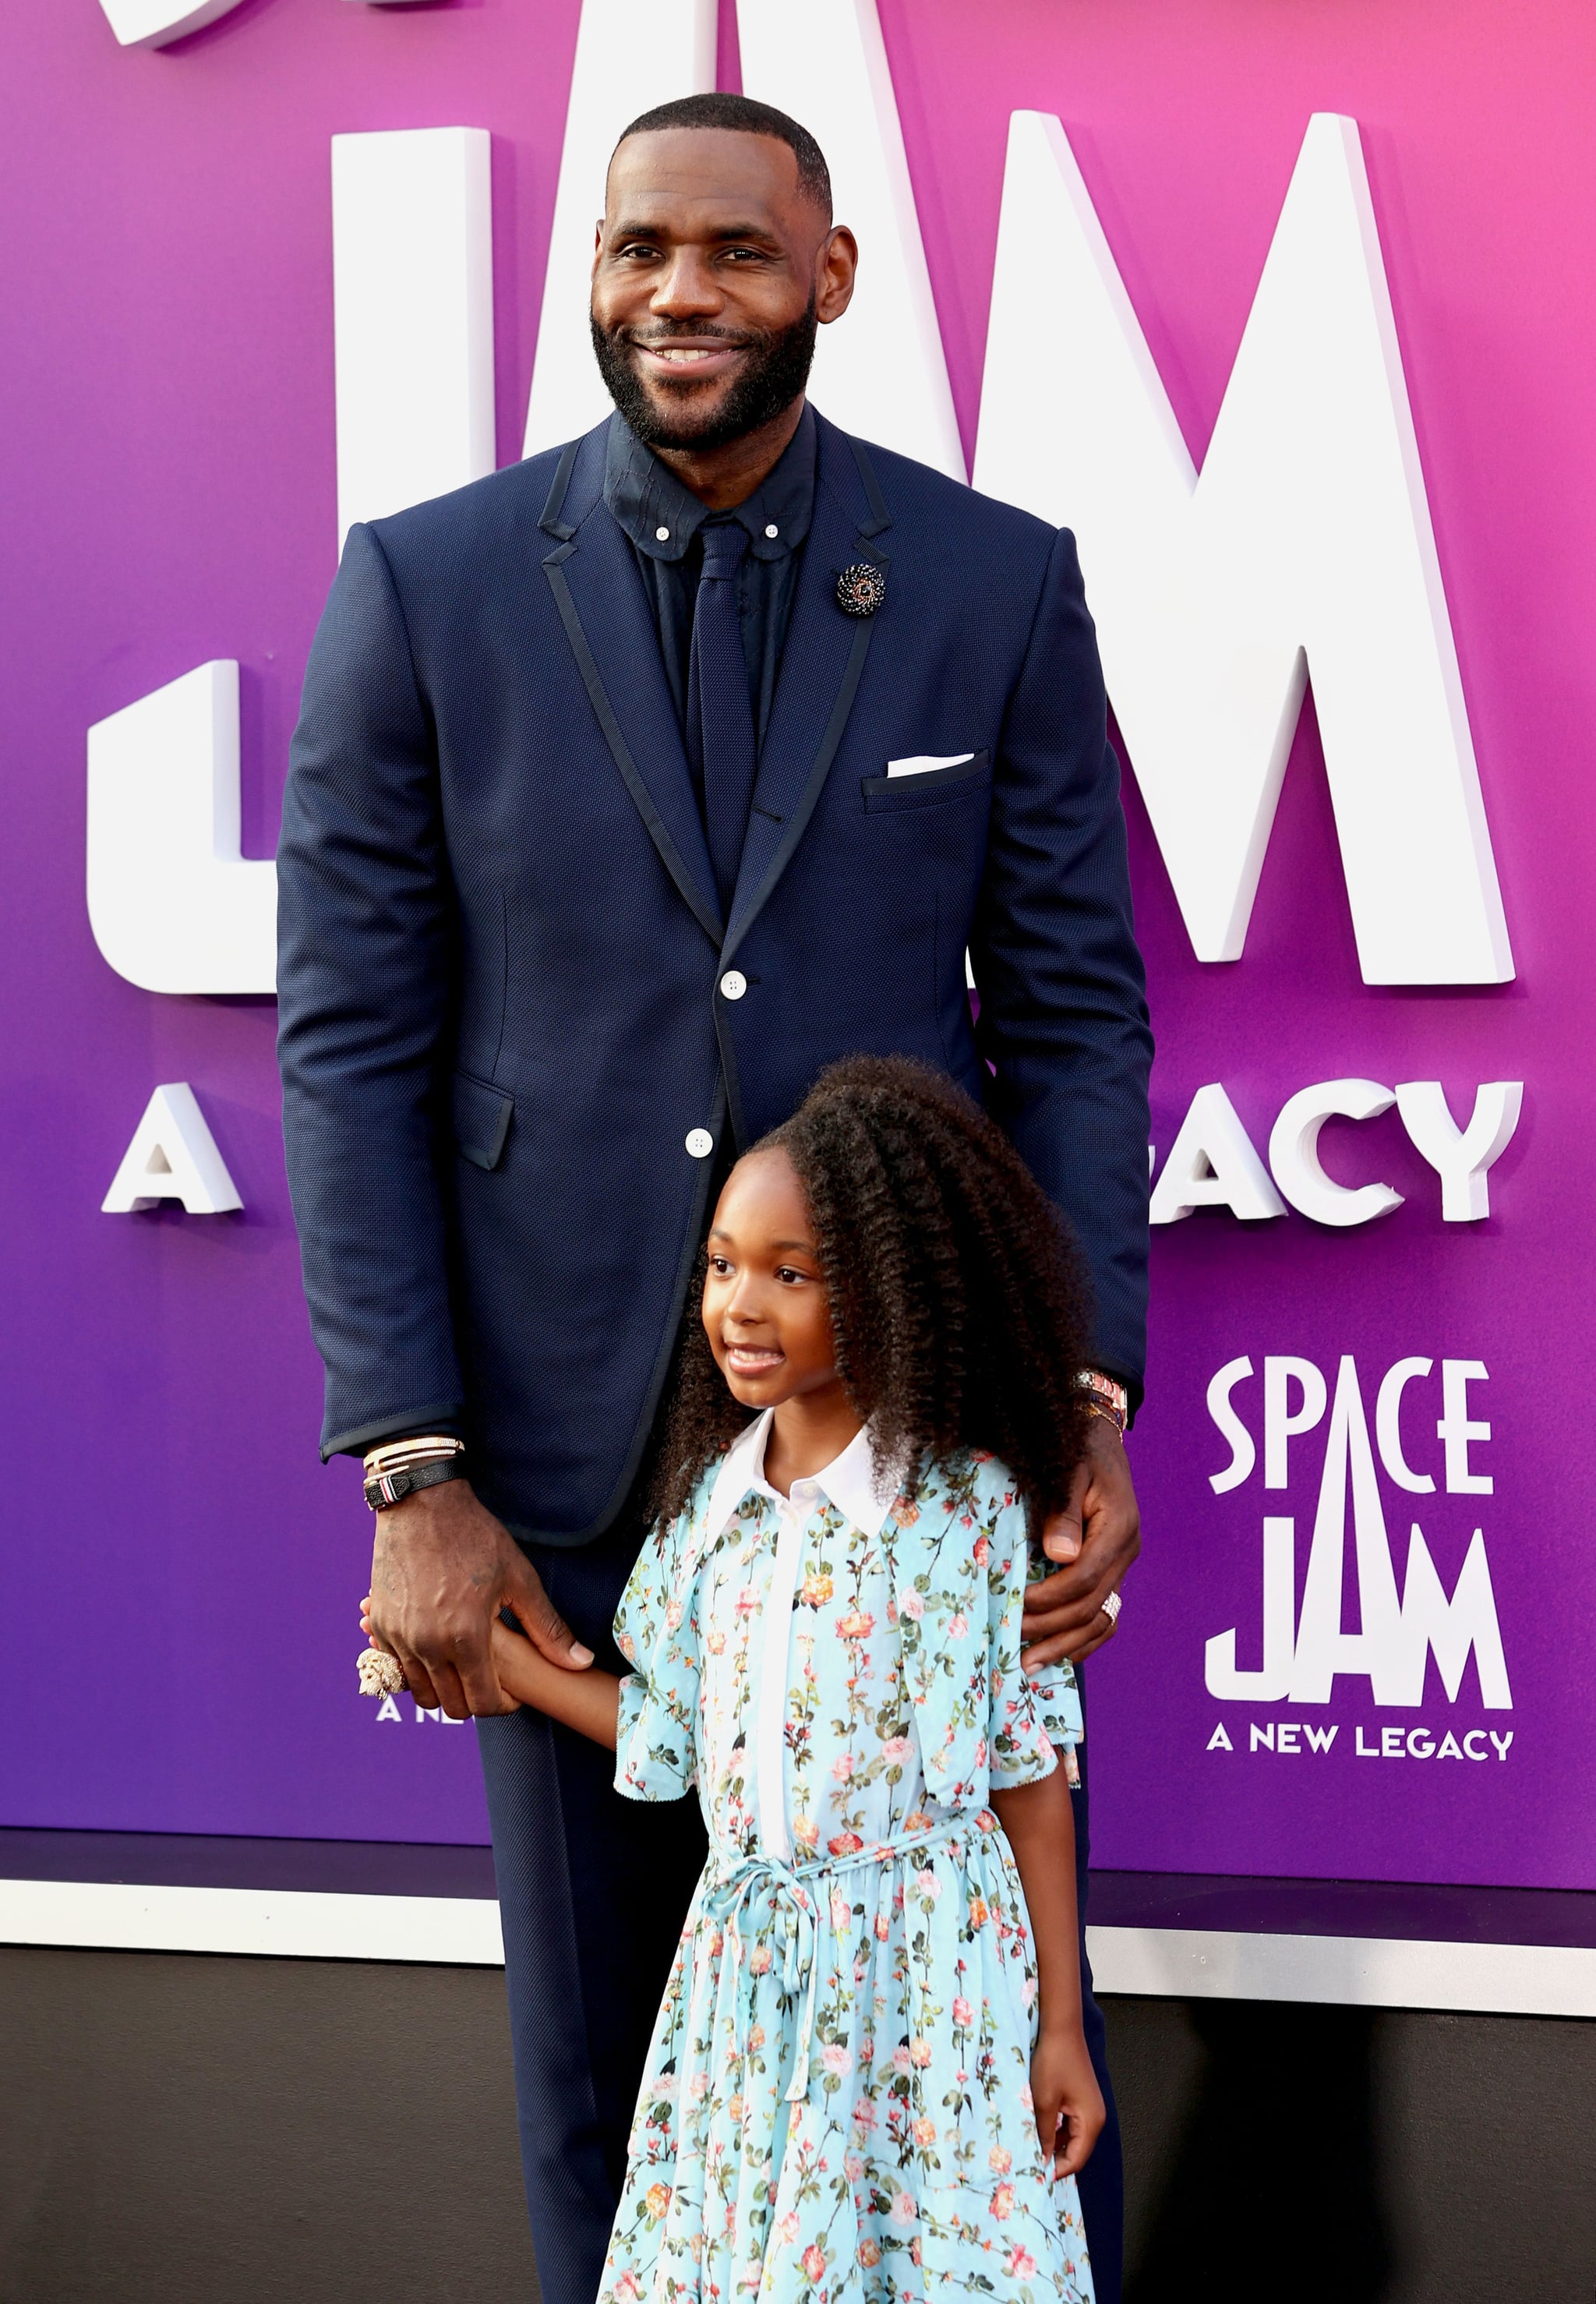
<point x="1307" y="1654"/>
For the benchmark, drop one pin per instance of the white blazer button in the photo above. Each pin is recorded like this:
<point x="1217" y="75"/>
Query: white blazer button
<point x="734" y="984"/>
<point x="700" y="1143"/>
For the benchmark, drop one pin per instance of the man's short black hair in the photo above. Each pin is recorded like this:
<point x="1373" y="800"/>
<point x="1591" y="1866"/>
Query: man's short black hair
<point x="744" y="114"/>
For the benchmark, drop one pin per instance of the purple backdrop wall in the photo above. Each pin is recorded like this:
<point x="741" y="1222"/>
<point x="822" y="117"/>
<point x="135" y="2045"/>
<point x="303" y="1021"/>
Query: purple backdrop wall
<point x="178" y="1577"/>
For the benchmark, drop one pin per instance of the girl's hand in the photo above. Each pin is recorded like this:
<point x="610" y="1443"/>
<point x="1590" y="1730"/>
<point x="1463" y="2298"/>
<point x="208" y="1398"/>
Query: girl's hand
<point x="1069" y="2106"/>
<point x="511" y="1652"/>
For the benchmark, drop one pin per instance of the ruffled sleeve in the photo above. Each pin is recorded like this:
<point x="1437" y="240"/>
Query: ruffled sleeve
<point x="1028" y="1717"/>
<point x="1055" y="1694"/>
<point x="962" y="1573"/>
<point x="656" y="1630"/>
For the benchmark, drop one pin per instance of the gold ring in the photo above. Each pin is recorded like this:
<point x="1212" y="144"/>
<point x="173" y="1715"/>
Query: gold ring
<point x="381" y="1674"/>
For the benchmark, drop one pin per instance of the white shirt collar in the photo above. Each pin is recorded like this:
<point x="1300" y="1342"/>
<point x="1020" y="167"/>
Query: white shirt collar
<point x="848" y="1482"/>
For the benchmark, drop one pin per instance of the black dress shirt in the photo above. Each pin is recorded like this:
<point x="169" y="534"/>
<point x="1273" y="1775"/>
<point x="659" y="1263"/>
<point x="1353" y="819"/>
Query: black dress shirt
<point x="664" y="520"/>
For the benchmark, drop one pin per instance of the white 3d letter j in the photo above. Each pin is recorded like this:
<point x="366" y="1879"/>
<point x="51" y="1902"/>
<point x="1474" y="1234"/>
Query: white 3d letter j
<point x="172" y="904"/>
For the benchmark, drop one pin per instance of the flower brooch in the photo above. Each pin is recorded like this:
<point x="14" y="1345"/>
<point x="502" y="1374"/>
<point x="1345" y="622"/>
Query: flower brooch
<point x="861" y="589"/>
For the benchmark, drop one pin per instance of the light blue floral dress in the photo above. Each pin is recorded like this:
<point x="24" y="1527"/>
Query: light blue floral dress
<point x="837" y="2104"/>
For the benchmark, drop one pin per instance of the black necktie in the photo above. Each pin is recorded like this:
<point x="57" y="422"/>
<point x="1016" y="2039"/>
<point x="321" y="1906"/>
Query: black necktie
<point x="719" y="715"/>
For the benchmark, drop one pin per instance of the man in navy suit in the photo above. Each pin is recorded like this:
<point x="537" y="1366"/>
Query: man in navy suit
<point x="634" y="785"/>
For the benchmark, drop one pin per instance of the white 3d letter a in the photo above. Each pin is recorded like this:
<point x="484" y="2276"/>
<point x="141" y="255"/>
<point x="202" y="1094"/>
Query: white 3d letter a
<point x="1305" y="544"/>
<point x="172" y="1157"/>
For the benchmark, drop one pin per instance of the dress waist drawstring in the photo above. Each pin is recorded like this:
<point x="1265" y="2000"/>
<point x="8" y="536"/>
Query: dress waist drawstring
<point x="733" y="1881"/>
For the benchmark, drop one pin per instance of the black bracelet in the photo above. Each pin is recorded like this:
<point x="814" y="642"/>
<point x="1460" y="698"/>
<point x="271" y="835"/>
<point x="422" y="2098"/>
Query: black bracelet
<point x="391" y="1487"/>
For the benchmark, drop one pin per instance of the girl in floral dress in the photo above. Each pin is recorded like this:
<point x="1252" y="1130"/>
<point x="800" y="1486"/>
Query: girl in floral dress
<point x="868" y="2079"/>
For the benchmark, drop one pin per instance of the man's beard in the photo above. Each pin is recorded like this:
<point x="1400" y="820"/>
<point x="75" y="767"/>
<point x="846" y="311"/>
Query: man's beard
<point x="772" y="377"/>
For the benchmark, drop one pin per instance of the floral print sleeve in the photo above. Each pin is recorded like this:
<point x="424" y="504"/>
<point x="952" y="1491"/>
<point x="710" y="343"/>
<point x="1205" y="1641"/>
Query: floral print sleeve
<point x="656" y="1631"/>
<point x="1027" y="1718"/>
<point x="1055" y="1694"/>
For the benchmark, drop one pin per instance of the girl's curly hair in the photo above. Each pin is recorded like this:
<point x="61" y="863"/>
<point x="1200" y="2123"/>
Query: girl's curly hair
<point x="959" y="1298"/>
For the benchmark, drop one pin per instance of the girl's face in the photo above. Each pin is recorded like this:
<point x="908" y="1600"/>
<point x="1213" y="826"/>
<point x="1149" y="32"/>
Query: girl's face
<point x="764" y="1304"/>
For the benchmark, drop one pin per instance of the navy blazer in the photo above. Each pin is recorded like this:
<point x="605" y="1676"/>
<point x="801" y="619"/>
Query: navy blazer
<point x="501" y="955"/>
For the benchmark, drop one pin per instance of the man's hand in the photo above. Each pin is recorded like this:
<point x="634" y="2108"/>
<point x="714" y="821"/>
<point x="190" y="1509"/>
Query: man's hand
<point x="1098" y="1535"/>
<point x="441" y="1568"/>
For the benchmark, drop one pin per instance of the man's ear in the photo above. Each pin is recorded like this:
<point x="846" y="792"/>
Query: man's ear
<point x="838" y="264"/>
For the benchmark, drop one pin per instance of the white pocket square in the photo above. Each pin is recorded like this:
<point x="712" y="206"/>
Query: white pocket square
<point x="923" y="763"/>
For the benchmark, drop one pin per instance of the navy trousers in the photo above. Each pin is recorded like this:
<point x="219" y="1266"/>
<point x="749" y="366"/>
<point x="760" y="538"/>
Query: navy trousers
<point x="593" y="1891"/>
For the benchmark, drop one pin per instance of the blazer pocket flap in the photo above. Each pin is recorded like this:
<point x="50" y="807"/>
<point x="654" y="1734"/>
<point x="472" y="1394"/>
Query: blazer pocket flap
<point x="924" y="764"/>
<point x="482" y="1117"/>
<point x="917" y="787"/>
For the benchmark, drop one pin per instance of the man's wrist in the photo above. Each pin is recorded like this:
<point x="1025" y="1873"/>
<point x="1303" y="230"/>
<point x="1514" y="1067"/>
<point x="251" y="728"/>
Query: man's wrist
<point x="390" y="1488"/>
<point x="1105" y="1397"/>
<point x="404" y="1468"/>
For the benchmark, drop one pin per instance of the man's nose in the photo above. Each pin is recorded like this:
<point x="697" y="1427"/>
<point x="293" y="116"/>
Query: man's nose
<point x="688" y="287"/>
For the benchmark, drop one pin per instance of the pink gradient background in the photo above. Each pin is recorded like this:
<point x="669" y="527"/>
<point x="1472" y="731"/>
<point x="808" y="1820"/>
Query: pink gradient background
<point x="178" y="1578"/>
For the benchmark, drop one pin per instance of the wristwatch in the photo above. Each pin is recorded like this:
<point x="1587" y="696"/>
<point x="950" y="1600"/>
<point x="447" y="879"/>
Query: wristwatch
<point x="390" y="1487"/>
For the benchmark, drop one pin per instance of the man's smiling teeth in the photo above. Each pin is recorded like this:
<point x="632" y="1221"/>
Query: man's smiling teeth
<point x="684" y="355"/>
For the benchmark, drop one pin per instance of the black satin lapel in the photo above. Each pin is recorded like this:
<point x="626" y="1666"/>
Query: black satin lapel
<point x="822" y="666"/>
<point x="608" y="621"/>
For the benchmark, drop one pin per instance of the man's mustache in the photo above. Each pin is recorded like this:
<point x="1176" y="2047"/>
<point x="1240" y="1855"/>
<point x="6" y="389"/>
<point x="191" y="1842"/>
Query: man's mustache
<point x="668" y="336"/>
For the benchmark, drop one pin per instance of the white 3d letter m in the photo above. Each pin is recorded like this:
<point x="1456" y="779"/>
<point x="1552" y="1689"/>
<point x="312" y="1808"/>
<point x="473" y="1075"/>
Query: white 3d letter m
<point x="1305" y="546"/>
